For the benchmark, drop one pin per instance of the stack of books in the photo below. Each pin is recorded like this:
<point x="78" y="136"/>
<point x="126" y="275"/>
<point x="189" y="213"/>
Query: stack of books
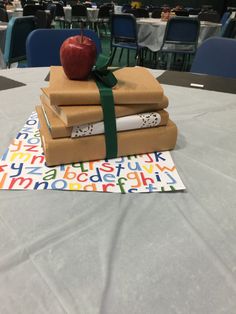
<point x="71" y="117"/>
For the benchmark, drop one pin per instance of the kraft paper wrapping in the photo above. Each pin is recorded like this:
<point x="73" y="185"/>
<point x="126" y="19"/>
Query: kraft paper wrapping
<point x="68" y="150"/>
<point x="135" y="86"/>
<point x="58" y="128"/>
<point x="81" y="114"/>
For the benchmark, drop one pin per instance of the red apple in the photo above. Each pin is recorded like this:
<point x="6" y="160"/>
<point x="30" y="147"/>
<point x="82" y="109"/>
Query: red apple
<point x="78" y="56"/>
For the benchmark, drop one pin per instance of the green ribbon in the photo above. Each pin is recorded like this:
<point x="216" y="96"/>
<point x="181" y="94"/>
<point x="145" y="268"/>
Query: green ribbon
<point x="101" y="72"/>
<point x="105" y="80"/>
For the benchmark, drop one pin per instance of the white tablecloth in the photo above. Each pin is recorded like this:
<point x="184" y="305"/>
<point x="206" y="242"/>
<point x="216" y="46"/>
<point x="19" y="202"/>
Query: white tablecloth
<point x="88" y="252"/>
<point x="151" y="32"/>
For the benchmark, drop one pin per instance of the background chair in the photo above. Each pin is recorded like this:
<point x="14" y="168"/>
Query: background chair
<point x="140" y="13"/>
<point x="130" y="11"/>
<point x="126" y="7"/>
<point x="2" y="4"/>
<point x="156" y="13"/>
<point x="209" y="16"/>
<point x="110" y="4"/>
<point x="206" y="7"/>
<point x="124" y="36"/>
<point x="31" y="9"/>
<point x="216" y="56"/>
<point x="181" y="37"/>
<point x="104" y="15"/>
<point x="51" y="41"/>
<point x="79" y="15"/>
<point x="182" y="12"/>
<point x="59" y="16"/>
<point x="3" y="15"/>
<point x="43" y="19"/>
<point x="229" y="29"/>
<point x="51" y="7"/>
<point x="194" y="11"/>
<point x="17" y="32"/>
<point x="224" y="18"/>
<point x="88" y="4"/>
<point x="71" y="2"/>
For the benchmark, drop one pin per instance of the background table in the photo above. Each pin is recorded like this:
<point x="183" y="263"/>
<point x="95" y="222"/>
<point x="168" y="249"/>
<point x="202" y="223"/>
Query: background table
<point x="151" y="32"/>
<point x="78" y="252"/>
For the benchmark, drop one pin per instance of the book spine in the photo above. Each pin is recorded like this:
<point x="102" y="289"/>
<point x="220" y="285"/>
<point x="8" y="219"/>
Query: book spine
<point x="45" y="101"/>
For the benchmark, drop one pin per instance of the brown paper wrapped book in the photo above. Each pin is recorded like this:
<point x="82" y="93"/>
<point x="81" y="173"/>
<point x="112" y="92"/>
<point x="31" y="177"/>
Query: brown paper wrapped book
<point x="135" y="86"/>
<point x="58" y="129"/>
<point x="68" y="150"/>
<point x="81" y="114"/>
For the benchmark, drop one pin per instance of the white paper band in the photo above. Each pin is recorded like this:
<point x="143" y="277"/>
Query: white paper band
<point x="137" y="121"/>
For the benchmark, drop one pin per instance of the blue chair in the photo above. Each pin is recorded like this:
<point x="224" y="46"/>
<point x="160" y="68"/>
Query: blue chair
<point x="216" y="56"/>
<point x="124" y="36"/>
<point x="229" y="29"/>
<point x="225" y="17"/>
<point x="43" y="45"/>
<point x="17" y="32"/>
<point x="181" y="37"/>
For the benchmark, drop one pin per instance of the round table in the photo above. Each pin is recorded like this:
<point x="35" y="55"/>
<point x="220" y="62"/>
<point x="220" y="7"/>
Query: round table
<point x="151" y="32"/>
<point x="87" y="252"/>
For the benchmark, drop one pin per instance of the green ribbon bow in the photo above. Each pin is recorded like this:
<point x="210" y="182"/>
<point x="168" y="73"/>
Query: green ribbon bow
<point x="101" y="72"/>
<point x="105" y="80"/>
